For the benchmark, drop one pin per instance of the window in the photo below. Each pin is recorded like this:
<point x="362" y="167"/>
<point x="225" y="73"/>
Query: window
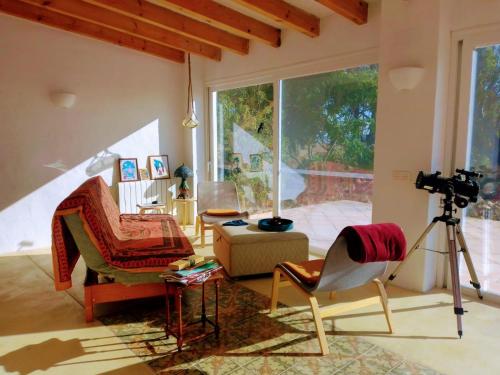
<point x="245" y="144"/>
<point x="327" y="146"/>
<point x="327" y="135"/>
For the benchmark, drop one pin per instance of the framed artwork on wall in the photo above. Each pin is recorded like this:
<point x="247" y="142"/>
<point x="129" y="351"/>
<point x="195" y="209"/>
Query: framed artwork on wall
<point x="158" y="166"/>
<point x="144" y="173"/>
<point x="256" y="163"/>
<point x="128" y="169"/>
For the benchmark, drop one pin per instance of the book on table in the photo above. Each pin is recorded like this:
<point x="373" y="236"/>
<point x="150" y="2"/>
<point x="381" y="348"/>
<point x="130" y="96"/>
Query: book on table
<point x="197" y="274"/>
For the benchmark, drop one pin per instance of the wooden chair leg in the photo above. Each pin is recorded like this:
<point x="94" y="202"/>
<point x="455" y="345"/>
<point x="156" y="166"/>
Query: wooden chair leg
<point x="89" y="304"/>
<point x="197" y="226"/>
<point x="202" y="227"/>
<point x="319" y="325"/>
<point x="385" y="302"/>
<point x="275" y="290"/>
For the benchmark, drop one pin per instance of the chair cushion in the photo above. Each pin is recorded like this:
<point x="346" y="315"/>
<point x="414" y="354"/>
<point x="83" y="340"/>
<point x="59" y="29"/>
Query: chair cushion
<point x="307" y="272"/>
<point x="221" y="212"/>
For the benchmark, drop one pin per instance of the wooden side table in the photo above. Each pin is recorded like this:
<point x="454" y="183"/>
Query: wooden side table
<point x="158" y="207"/>
<point x="185" y="204"/>
<point x="176" y="290"/>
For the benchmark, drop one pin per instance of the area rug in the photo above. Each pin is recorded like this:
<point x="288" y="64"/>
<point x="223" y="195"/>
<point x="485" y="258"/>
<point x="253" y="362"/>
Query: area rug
<point x="251" y="340"/>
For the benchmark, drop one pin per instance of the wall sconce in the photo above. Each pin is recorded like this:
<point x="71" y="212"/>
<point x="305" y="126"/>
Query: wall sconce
<point x="406" y="78"/>
<point x="63" y="99"/>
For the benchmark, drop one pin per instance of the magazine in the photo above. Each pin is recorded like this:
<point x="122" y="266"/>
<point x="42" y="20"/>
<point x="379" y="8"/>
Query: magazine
<point x="196" y="275"/>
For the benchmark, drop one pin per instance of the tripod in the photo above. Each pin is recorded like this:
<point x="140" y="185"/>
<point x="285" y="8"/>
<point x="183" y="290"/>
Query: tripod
<point x="453" y="232"/>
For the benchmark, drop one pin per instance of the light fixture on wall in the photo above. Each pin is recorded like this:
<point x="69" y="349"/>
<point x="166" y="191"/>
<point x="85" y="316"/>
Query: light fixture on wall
<point x="63" y="99"/>
<point x="190" y="121"/>
<point x="406" y="78"/>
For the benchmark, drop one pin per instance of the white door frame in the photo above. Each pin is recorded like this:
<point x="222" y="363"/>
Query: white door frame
<point x="459" y="115"/>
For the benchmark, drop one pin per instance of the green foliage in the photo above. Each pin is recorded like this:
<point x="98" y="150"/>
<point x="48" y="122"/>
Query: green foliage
<point x="330" y="117"/>
<point x="486" y="115"/>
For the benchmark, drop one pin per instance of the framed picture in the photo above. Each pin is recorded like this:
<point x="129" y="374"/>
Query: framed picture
<point x="255" y="163"/>
<point x="158" y="166"/>
<point x="144" y="173"/>
<point x="237" y="161"/>
<point x="128" y="169"/>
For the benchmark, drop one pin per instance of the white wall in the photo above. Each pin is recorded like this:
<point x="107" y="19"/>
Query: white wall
<point x="127" y="102"/>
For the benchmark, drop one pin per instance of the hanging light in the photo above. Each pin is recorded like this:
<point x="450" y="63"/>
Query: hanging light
<point x="190" y="121"/>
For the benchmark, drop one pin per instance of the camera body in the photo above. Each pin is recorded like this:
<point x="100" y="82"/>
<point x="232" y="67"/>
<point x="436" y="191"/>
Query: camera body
<point x="463" y="187"/>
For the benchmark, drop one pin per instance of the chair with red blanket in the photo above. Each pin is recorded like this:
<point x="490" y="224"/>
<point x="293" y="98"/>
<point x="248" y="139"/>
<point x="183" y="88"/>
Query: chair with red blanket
<point x="128" y="252"/>
<point x="359" y="256"/>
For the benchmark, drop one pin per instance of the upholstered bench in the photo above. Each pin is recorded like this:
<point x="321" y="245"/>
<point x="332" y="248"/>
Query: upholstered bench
<point x="247" y="250"/>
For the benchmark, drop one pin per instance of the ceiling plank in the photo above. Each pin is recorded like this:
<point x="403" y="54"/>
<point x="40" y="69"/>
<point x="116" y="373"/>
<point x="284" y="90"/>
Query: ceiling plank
<point x="61" y="21"/>
<point x="225" y="18"/>
<point x="167" y="19"/>
<point x="106" y="18"/>
<point x="285" y="13"/>
<point x="355" y="10"/>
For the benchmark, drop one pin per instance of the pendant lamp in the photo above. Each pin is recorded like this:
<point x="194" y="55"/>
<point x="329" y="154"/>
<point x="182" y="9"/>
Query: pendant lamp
<point x="190" y="121"/>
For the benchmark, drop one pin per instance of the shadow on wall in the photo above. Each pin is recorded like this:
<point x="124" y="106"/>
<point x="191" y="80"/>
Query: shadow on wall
<point x="27" y="220"/>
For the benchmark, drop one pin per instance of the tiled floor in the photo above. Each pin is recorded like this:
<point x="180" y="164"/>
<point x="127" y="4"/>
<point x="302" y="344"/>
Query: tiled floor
<point x="323" y="222"/>
<point x="43" y="331"/>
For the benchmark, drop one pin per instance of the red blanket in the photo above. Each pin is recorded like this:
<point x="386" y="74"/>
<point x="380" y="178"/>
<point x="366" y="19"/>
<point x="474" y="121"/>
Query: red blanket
<point x="375" y="242"/>
<point x="134" y="242"/>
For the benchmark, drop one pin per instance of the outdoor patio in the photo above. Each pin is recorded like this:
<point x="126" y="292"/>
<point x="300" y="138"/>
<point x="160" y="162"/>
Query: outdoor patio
<point x="323" y="222"/>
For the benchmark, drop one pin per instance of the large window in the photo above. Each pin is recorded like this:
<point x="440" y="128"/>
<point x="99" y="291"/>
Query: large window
<point x="479" y="130"/>
<point x="245" y="144"/>
<point x="327" y="134"/>
<point x="327" y="145"/>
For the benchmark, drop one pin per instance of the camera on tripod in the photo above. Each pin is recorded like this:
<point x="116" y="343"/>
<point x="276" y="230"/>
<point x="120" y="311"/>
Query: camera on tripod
<point x="463" y="186"/>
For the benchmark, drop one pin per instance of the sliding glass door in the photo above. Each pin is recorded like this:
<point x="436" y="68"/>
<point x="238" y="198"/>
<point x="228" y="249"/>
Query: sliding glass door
<point x="327" y="146"/>
<point x="323" y="143"/>
<point x="478" y="148"/>
<point x="244" y="144"/>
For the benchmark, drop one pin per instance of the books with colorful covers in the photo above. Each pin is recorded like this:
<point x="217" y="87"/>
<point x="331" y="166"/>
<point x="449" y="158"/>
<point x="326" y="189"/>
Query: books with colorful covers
<point x="198" y="274"/>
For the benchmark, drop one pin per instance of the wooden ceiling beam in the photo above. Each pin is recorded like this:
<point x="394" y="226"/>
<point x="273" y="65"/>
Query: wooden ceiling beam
<point x="106" y="18"/>
<point x="355" y="10"/>
<point x="225" y="18"/>
<point x="289" y="15"/>
<point x="75" y="25"/>
<point x="167" y="19"/>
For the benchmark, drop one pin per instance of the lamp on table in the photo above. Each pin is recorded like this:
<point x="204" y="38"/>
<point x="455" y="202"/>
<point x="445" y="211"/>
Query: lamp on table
<point x="183" y="172"/>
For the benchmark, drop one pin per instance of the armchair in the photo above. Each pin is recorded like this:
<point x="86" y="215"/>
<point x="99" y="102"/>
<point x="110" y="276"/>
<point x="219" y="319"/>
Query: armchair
<point x="217" y="201"/>
<point x="335" y="273"/>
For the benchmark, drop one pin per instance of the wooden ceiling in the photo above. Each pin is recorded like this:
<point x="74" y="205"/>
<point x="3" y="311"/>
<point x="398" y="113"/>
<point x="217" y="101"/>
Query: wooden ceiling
<point x="170" y="28"/>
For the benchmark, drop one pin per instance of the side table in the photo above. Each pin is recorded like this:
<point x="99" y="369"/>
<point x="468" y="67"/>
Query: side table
<point x="155" y="207"/>
<point x="176" y="290"/>
<point x="185" y="204"/>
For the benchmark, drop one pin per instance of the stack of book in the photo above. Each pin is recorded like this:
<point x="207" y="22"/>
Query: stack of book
<point x="195" y="275"/>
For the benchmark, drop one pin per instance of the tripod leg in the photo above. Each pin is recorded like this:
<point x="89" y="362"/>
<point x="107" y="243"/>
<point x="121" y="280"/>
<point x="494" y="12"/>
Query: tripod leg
<point x="422" y="237"/>
<point x="455" y="282"/>
<point x="468" y="261"/>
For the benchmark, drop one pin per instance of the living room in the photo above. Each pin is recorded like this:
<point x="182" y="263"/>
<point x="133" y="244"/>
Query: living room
<point x="72" y="107"/>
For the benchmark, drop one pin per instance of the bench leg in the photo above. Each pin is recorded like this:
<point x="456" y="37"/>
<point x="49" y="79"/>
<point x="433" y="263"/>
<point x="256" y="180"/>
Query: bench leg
<point x="89" y="304"/>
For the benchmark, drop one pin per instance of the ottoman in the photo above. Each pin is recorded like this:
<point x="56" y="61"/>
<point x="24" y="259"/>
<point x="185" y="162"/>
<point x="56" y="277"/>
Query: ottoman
<point x="247" y="250"/>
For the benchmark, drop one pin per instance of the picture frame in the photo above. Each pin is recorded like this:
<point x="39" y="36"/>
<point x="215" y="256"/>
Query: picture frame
<point x="144" y="174"/>
<point x="158" y="167"/>
<point x="256" y="163"/>
<point x="237" y="161"/>
<point x="128" y="169"/>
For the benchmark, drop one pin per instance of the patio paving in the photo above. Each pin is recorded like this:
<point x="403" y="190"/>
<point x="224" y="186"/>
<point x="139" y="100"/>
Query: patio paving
<point x="323" y="222"/>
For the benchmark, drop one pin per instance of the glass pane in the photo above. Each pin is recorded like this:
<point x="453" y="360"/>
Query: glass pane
<point x="245" y="144"/>
<point x="328" y="135"/>
<point x="481" y="222"/>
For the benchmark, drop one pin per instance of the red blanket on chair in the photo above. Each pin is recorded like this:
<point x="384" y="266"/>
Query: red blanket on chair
<point x="130" y="242"/>
<point x="375" y="242"/>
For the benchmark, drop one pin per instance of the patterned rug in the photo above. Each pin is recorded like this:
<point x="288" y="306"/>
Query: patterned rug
<point x="251" y="341"/>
